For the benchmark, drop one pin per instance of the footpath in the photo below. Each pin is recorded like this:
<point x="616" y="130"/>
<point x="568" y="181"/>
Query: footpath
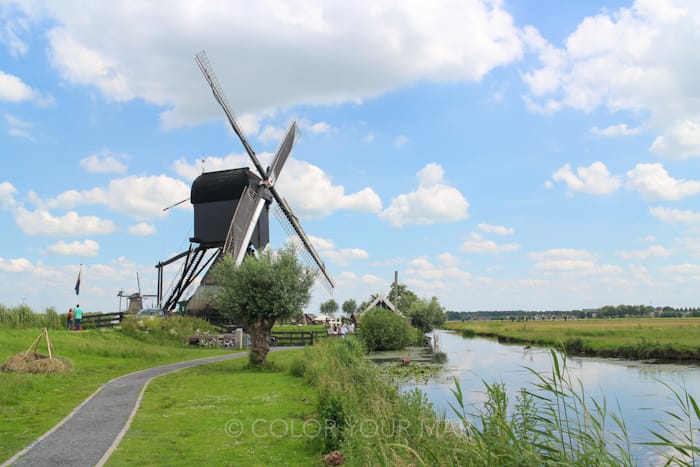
<point x="89" y="434"/>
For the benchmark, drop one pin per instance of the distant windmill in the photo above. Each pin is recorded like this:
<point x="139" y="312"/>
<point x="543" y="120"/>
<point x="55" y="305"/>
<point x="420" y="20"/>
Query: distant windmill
<point x="231" y="211"/>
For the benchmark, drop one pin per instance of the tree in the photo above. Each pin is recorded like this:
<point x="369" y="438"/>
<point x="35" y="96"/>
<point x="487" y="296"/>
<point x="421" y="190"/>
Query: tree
<point x="406" y="298"/>
<point x="329" y="307"/>
<point x="349" y="306"/>
<point x="261" y="291"/>
<point x="427" y="315"/>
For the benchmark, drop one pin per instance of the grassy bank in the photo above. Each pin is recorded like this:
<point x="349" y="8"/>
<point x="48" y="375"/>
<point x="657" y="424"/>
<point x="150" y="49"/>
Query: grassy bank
<point x="662" y="339"/>
<point x="31" y="404"/>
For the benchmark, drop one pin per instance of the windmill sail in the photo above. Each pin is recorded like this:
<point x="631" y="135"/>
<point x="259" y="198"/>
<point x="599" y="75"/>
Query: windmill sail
<point x="269" y="177"/>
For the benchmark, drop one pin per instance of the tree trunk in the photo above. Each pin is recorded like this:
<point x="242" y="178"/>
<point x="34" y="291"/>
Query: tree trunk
<point x="259" y="335"/>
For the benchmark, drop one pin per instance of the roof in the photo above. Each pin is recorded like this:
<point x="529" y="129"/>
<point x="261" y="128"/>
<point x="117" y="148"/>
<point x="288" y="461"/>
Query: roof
<point x="382" y="302"/>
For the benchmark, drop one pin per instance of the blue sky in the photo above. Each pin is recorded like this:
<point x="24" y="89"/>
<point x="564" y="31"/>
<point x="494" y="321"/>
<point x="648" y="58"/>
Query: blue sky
<point x="497" y="154"/>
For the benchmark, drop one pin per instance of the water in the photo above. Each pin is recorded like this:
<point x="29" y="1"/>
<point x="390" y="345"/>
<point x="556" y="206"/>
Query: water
<point x="637" y="387"/>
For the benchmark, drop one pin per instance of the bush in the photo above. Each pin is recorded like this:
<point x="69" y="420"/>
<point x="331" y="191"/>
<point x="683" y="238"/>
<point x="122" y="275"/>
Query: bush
<point x="382" y="329"/>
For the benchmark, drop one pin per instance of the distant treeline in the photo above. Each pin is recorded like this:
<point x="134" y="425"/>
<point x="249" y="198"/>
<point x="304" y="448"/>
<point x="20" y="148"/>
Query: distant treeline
<point x="608" y="311"/>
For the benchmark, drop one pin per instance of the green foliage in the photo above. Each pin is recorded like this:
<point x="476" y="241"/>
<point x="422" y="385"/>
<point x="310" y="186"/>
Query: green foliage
<point x="427" y="315"/>
<point x="329" y="307"/>
<point x="382" y="329"/>
<point x="169" y="330"/>
<point x="261" y="291"/>
<point x="349" y="306"/>
<point x="22" y="317"/>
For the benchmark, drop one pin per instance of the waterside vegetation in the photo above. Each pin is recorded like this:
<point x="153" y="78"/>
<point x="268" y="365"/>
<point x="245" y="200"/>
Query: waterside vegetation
<point x="659" y="339"/>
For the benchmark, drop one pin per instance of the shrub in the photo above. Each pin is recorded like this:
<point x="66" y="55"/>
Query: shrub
<point x="382" y="329"/>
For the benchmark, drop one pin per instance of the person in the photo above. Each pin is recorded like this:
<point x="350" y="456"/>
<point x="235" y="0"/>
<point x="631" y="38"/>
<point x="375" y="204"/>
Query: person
<point x="78" y="316"/>
<point x="69" y="319"/>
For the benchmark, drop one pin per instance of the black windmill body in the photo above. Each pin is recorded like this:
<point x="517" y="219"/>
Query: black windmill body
<point x="231" y="210"/>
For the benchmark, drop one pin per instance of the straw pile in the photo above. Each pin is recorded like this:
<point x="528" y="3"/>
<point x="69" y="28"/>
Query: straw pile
<point x="32" y="361"/>
<point x="37" y="363"/>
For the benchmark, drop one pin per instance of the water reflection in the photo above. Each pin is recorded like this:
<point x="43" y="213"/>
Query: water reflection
<point x="637" y="388"/>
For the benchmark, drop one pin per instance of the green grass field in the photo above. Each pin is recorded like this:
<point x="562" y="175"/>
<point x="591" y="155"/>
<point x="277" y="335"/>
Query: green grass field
<point x="640" y="338"/>
<point x="224" y="414"/>
<point x="31" y="404"/>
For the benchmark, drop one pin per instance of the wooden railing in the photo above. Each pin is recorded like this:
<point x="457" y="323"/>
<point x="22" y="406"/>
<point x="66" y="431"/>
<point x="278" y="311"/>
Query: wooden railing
<point x="283" y="338"/>
<point x="103" y="320"/>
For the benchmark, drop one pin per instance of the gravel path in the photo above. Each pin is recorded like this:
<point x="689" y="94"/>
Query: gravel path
<point x="91" y="432"/>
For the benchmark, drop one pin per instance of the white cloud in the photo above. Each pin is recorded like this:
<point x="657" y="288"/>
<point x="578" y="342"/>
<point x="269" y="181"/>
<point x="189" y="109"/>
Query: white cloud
<point x="85" y="248"/>
<point x="7" y="196"/>
<point x="139" y="197"/>
<point x="432" y="202"/>
<point x="15" y="265"/>
<point x="368" y="138"/>
<point x="654" y="251"/>
<point x="480" y="245"/>
<point x="13" y="89"/>
<point x="675" y="216"/>
<point x="653" y="182"/>
<point x="571" y="261"/>
<point x="639" y="59"/>
<point x="327" y="250"/>
<point x="364" y="51"/>
<point x="41" y="222"/>
<point x="271" y="133"/>
<point x="497" y="229"/>
<point x="104" y="162"/>
<point x="680" y="142"/>
<point x="142" y="229"/>
<point x="594" y="179"/>
<point x="621" y="129"/>
<point x="308" y="189"/>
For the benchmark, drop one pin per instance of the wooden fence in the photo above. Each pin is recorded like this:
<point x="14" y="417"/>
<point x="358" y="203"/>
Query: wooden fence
<point x="103" y="320"/>
<point x="283" y="338"/>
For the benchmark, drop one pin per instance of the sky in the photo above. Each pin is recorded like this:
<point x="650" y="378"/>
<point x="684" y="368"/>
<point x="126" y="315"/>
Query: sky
<point x="497" y="154"/>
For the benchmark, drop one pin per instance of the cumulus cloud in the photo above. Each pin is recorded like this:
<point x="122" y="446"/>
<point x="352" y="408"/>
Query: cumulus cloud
<point x="139" y="197"/>
<point x="306" y="187"/>
<point x="15" y="265"/>
<point x="327" y="250"/>
<point x="480" y="245"/>
<point x="497" y="229"/>
<point x="680" y="142"/>
<point x="364" y="51"/>
<point x="41" y="222"/>
<point x="433" y="201"/>
<point x="77" y="248"/>
<point x="675" y="216"/>
<point x="142" y="229"/>
<point x="594" y="179"/>
<point x="13" y="89"/>
<point x="104" y="162"/>
<point x="638" y="59"/>
<point x="7" y="196"/>
<point x="653" y="182"/>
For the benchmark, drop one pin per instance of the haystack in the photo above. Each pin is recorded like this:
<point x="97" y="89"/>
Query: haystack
<point x="32" y="361"/>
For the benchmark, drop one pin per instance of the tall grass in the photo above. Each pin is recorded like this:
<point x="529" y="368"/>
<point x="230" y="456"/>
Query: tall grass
<point x="22" y="317"/>
<point x="552" y="422"/>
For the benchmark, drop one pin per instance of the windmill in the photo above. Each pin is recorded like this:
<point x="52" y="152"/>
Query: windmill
<point x="231" y="210"/>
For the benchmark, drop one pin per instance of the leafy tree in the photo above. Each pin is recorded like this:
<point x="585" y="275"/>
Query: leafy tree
<point x="349" y="306"/>
<point x="427" y="315"/>
<point x="406" y="298"/>
<point x="382" y="329"/>
<point x="261" y="291"/>
<point x="329" y="307"/>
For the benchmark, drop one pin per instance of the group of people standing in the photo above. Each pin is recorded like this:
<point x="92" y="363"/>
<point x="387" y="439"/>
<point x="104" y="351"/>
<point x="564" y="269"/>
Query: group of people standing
<point x="74" y="318"/>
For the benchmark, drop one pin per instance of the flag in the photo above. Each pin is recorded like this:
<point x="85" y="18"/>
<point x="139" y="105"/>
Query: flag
<point x="77" y="283"/>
